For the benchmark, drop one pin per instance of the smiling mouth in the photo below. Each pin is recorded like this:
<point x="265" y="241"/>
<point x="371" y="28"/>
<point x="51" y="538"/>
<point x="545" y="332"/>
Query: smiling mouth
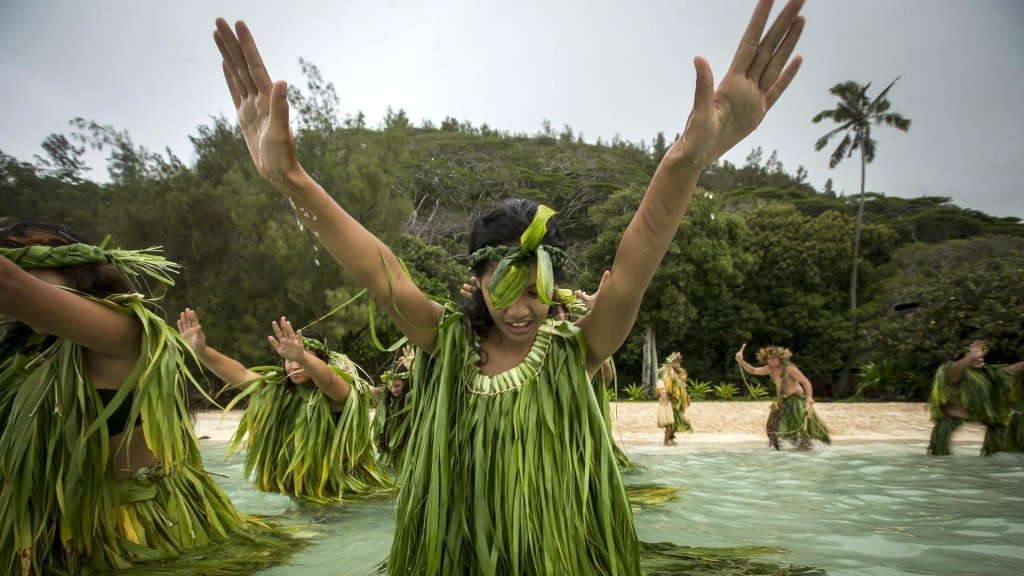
<point x="519" y="327"/>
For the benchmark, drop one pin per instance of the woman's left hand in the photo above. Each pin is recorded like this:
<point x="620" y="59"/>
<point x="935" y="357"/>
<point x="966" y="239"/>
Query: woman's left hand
<point x="758" y="75"/>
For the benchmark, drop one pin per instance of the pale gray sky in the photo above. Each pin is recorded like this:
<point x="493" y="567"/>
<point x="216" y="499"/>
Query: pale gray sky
<point x="603" y="67"/>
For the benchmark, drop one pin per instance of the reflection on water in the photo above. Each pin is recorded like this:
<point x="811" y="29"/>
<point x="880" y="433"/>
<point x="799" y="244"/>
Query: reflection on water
<point x="871" y="509"/>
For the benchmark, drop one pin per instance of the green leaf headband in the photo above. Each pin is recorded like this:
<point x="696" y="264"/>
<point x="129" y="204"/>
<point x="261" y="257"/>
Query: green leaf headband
<point x="390" y="375"/>
<point x="131" y="263"/>
<point x="509" y="278"/>
<point x="316" y="345"/>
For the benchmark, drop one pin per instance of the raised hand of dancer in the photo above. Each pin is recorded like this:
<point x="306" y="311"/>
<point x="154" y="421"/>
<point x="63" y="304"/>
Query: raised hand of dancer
<point x="589" y="299"/>
<point x="192" y="331"/>
<point x="760" y="72"/>
<point x="287" y="341"/>
<point x="739" y="355"/>
<point x="262" y="105"/>
<point x="976" y="351"/>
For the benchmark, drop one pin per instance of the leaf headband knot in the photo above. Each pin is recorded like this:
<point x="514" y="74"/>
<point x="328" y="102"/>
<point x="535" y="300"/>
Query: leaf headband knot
<point x="509" y="279"/>
<point x="404" y="369"/>
<point x="315" y="345"/>
<point x="131" y="263"/>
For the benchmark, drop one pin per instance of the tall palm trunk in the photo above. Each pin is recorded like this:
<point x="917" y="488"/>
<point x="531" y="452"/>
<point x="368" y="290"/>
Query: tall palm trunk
<point x="851" y="354"/>
<point x="649" y="374"/>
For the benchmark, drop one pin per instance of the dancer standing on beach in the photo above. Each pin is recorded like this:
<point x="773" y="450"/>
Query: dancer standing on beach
<point x="306" y="429"/>
<point x="792" y="417"/>
<point x="509" y="469"/>
<point x="672" y="395"/>
<point x="969" y="390"/>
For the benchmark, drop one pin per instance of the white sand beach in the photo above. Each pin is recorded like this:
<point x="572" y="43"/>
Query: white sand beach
<point x="725" y="423"/>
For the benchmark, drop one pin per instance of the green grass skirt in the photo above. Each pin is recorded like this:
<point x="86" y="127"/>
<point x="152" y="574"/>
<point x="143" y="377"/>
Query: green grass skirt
<point x="791" y="421"/>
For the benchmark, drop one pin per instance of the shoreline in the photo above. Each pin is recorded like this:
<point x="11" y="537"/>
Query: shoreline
<point x="733" y="424"/>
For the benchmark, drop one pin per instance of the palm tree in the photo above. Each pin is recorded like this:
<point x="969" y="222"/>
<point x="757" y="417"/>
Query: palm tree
<point x="856" y="113"/>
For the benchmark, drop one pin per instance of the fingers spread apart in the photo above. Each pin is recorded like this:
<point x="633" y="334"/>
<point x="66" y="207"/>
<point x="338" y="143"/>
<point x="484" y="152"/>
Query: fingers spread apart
<point x="764" y="59"/>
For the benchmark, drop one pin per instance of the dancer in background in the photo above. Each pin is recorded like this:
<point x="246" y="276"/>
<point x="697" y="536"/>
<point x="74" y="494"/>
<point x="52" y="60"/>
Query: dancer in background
<point x="391" y="420"/>
<point x="306" y="429"/>
<point x="792" y="418"/>
<point x="969" y="390"/>
<point x="672" y="393"/>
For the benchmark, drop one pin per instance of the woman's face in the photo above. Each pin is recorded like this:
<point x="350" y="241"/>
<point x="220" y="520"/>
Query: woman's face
<point x="295" y="373"/>
<point x="519" y="321"/>
<point x="773" y="362"/>
<point x="397" y="387"/>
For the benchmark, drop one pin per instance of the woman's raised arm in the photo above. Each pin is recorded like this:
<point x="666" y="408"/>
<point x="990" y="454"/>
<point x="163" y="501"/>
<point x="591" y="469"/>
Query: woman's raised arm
<point x="262" y="108"/>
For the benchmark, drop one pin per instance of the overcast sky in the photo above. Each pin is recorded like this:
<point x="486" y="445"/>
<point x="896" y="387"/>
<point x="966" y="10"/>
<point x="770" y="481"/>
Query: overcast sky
<point x="603" y="67"/>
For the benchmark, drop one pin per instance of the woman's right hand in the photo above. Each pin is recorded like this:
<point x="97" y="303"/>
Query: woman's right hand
<point x="191" y="330"/>
<point x="262" y="105"/>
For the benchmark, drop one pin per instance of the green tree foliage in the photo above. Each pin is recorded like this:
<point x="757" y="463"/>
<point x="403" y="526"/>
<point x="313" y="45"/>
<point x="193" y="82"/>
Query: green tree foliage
<point x="688" y="299"/>
<point x="965" y="290"/>
<point x="761" y="257"/>
<point x="794" y="293"/>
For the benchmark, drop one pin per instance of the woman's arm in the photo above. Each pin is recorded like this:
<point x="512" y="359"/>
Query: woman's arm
<point x="720" y="118"/>
<point x="749" y="369"/>
<point x="956" y="371"/>
<point x="262" y="109"/>
<point x="1014" y="370"/>
<point x="37" y="300"/>
<point x="228" y="369"/>
<point x="288" y="343"/>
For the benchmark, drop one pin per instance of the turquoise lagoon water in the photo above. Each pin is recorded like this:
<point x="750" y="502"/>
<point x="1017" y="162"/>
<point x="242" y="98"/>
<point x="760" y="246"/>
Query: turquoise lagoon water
<point x="867" y="509"/>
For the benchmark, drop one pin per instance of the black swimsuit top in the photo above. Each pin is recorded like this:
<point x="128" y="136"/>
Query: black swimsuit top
<point x="119" y="419"/>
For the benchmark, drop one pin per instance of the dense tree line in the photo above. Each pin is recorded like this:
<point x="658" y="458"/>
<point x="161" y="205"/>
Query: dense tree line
<point x="762" y="257"/>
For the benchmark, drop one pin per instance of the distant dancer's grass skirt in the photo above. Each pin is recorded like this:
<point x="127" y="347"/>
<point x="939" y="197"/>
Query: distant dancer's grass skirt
<point x="996" y="437"/>
<point x="791" y="421"/>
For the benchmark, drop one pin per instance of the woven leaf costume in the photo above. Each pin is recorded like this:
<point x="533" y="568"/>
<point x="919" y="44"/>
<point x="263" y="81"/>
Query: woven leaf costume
<point x="984" y="394"/>
<point x="60" y="507"/>
<point x="296" y="445"/>
<point x="792" y="420"/>
<point x="391" y="423"/>
<point x="512" y="473"/>
<point x="675" y="385"/>
<point x="62" y="510"/>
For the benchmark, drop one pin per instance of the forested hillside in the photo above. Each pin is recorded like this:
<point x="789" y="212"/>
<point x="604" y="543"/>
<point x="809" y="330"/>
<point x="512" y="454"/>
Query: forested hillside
<point x="763" y="257"/>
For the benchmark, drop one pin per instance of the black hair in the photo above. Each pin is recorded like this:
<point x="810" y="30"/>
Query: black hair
<point x="100" y="280"/>
<point x="501" y="224"/>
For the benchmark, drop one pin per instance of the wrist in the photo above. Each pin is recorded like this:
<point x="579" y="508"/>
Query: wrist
<point x="293" y="181"/>
<point x="682" y="166"/>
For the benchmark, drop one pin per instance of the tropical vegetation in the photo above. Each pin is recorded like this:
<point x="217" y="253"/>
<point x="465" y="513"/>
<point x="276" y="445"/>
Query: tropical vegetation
<point x="763" y="256"/>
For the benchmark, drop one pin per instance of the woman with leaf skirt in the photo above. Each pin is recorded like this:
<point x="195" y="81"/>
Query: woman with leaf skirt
<point x="306" y="429"/>
<point x="672" y="392"/>
<point x="509" y="468"/>
<point x="101" y="469"/>
<point x="969" y="390"/>
<point x="391" y="420"/>
<point x="792" y="418"/>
